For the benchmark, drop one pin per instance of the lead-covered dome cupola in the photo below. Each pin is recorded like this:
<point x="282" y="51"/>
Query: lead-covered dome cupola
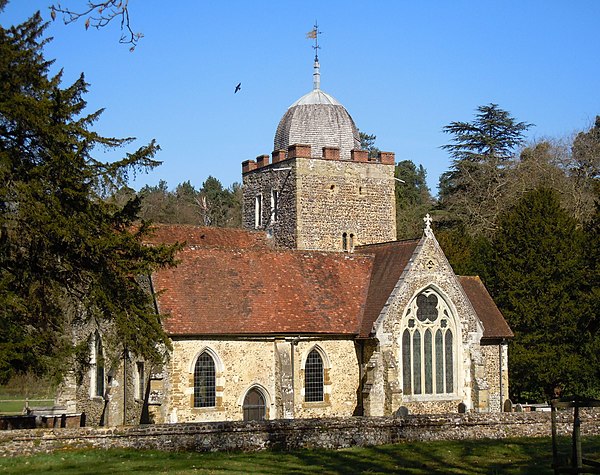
<point x="318" y="120"/>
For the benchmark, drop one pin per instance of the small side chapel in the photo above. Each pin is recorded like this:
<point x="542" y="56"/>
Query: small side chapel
<point x="314" y="309"/>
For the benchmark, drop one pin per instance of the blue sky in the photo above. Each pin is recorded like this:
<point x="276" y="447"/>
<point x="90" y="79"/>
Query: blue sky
<point x="403" y="69"/>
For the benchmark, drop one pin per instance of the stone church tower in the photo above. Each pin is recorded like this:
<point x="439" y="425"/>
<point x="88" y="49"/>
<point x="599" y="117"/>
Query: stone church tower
<point x="320" y="191"/>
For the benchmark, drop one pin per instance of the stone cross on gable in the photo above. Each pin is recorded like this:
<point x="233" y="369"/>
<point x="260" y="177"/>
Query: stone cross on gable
<point x="428" y="221"/>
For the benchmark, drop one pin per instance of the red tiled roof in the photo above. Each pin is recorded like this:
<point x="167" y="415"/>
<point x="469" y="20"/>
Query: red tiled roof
<point x="391" y="259"/>
<point x="494" y="324"/>
<point x="216" y="291"/>
<point x="206" y="236"/>
<point x="231" y="282"/>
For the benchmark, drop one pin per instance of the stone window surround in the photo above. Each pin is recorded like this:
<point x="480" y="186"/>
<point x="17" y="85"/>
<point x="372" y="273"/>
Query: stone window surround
<point x="443" y="303"/>
<point x="348" y="242"/>
<point x="139" y="382"/>
<point x="219" y="381"/>
<point x="265" y="394"/>
<point x="327" y="383"/>
<point x="95" y="343"/>
<point x="258" y="210"/>
<point x="274" y="205"/>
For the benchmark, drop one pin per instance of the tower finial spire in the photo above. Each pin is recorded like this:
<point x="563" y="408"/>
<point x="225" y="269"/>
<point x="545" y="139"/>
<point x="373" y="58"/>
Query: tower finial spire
<point x="314" y="34"/>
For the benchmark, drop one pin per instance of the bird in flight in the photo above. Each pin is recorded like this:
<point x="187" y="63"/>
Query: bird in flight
<point x="238" y="87"/>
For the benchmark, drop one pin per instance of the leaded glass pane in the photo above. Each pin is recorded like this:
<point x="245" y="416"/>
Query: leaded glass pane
<point x="427" y="307"/>
<point x="417" y="361"/>
<point x="428" y="346"/>
<point x="428" y="363"/>
<point x="449" y="363"/>
<point x="313" y="377"/>
<point x="406" y="364"/>
<point x="439" y="363"/>
<point x="204" y="381"/>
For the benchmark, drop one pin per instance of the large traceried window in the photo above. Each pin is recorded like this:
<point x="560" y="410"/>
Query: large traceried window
<point x="428" y="342"/>
<point x="204" y="381"/>
<point x="313" y="377"/>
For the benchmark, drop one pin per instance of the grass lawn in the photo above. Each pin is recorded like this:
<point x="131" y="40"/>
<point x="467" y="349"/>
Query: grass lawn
<point x="509" y="456"/>
<point x="15" y="404"/>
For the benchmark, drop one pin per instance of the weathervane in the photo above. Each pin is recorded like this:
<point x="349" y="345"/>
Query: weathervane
<point x="314" y="34"/>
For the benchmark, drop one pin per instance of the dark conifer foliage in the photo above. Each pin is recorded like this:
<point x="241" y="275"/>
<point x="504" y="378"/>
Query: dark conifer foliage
<point x="492" y="136"/>
<point x="473" y="190"/>
<point x="66" y="255"/>
<point x="537" y="273"/>
<point x="413" y="199"/>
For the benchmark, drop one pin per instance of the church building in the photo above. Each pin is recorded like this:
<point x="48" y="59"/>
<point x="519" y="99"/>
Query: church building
<point x="314" y="309"/>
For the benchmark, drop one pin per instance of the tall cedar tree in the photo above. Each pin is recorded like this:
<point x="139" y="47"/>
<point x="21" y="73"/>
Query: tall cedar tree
<point x="537" y="272"/>
<point x="473" y="190"/>
<point x="67" y="257"/>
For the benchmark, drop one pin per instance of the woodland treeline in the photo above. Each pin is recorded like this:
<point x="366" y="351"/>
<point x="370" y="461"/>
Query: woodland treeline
<point x="523" y="216"/>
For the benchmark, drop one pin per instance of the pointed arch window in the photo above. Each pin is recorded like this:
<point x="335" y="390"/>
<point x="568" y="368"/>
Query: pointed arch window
<point x="313" y="377"/>
<point x="204" y="381"/>
<point x="428" y="347"/>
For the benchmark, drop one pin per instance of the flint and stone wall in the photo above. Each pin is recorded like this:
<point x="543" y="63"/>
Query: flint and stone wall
<point x="296" y="434"/>
<point x="261" y="183"/>
<point x="476" y="371"/>
<point x="496" y="367"/>
<point x="320" y="199"/>
<point x="274" y="366"/>
<point x="120" y="402"/>
<point x="336" y="197"/>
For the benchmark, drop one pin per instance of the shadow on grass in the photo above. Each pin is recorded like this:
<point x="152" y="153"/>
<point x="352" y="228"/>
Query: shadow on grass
<point x="508" y="456"/>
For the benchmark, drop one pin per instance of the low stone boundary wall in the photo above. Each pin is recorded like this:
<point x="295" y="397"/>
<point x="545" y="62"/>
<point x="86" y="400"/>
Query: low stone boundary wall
<point x="295" y="434"/>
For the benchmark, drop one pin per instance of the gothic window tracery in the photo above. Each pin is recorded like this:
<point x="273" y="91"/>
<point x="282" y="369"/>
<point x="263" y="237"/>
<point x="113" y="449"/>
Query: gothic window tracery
<point x="428" y="347"/>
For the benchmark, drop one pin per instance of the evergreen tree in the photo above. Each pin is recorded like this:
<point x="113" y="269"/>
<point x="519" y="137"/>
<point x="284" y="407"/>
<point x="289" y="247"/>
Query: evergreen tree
<point x="474" y="189"/>
<point x="367" y="142"/>
<point x="537" y="278"/>
<point x="215" y="202"/>
<point x="67" y="256"/>
<point x="158" y="203"/>
<point x="413" y="199"/>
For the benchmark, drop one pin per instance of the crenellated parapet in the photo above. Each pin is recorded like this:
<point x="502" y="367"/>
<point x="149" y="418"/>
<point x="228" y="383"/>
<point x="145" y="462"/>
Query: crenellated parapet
<point x="305" y="151"/>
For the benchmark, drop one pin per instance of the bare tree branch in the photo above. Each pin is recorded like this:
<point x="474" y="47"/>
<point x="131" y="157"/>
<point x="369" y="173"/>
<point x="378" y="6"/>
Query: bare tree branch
<point x="100" y="14"/>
